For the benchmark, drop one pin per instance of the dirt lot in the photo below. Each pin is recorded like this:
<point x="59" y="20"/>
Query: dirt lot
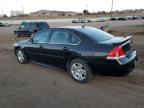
<point x="37" y="86"/>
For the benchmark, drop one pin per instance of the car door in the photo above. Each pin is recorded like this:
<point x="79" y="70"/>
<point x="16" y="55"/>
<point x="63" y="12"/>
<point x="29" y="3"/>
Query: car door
<point x="27" y="29"/>
<point x="33" y="28"/>
<point x="58" y="48"/>
<point x="24" y="29"/>
<point x="21" y="29"/>
<point x="36" y="47"/>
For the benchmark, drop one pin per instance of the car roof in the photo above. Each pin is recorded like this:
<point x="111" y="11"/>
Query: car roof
<point x="34" y="22"/>
<point x="74" y="28"/>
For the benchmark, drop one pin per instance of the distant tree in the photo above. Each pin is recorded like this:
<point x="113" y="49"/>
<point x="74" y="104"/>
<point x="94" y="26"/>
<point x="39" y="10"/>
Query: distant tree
<point x="5" y="16"/>
<point x="85" y="12"/>
<point x="104" y="12"/>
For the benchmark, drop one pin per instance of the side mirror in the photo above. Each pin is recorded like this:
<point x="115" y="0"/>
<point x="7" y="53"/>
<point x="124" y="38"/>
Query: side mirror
<point x="31" y="39"/>
<point x="34" y="42"/>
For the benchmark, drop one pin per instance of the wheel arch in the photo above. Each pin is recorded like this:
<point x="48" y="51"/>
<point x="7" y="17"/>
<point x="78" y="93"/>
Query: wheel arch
<point x="16" y="48"/>
<point x="72" y="58"/>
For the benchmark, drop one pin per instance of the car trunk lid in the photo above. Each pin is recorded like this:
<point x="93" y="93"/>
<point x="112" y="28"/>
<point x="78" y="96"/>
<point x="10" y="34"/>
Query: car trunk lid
<point x="125" y="42"/>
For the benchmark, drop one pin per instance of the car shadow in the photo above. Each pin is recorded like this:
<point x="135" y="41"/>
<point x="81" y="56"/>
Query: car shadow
<point x="112" y="72"/>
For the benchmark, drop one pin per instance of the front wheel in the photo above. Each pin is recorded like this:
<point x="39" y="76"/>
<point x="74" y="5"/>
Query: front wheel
<point x="80" y="71"/>
<point x="21" y="56"/>
<point x="16" y="35"/>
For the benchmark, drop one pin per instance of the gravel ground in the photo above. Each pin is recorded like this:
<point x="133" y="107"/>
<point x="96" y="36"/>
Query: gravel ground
<point x="38" y="86"/>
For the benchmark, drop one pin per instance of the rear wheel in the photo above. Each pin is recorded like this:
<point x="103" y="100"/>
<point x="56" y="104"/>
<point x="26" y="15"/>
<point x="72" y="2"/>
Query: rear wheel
<point x="21" y="56"/>
<point x="80" y="71"/>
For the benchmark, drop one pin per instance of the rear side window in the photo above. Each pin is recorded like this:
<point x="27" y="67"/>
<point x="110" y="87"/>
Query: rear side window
<point x="74" y="39"/>
<point x="60" y="37"/>
<point x="95" y="34"/>
<point x="42" y="25"/>
<point x="41" y="37"/>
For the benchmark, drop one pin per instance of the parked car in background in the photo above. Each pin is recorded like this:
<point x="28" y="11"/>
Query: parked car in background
<point x="122" y="18"/>
<point x="28" y="28"/>
<point x="113" y="19"/>
<point x="79" y="50"/>
<point x="136" y="17"/>
<point x="81" y="20"/>
<point x="126" y="18"/>
<point x="129" y="17"/>
<point x="100" y="20"/>
<point x="142" y="17"/>
<point x="76" y="21"/>
<point x="2" y="24"/>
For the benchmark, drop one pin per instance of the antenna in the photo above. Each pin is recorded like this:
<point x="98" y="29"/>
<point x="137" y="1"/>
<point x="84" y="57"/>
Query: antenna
<point x="111" y="8"/>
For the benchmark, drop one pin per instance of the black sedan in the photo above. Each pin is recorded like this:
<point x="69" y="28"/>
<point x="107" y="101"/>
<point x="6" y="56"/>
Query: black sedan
<point x="80" y="50"/>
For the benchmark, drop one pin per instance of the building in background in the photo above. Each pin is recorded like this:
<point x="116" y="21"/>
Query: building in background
<point x="52" y="13"/>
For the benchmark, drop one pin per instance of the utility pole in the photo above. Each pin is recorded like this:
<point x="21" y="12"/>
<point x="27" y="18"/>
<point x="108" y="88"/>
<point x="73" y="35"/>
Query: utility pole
<point x="111" y="8"/>
<point x="2" y="12"/>
<point x="22" y="9"/>
<point x="84" y="16"/>
<point x="112" y="2"/>
<point x="107" y="23"/>
<point x="86" y="8"/>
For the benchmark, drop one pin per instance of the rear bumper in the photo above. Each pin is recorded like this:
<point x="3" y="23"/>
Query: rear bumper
<point x="126" y="62"/>
<point x="127" y="58"/>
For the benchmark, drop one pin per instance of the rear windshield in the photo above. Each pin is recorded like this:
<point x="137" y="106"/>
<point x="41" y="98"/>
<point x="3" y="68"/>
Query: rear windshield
<point x="95" y="34"/>
<point x="42" y="25"/>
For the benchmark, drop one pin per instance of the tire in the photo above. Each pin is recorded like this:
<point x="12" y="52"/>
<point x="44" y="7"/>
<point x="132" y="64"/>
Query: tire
<point x="17" y="35"/>
<point x="21" y="57"/>
<point x="80" y="71"/>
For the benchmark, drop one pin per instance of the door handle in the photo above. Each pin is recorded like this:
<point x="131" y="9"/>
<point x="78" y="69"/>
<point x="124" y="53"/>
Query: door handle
<point x="41" y="46"/>
<point x="65" y="48"/>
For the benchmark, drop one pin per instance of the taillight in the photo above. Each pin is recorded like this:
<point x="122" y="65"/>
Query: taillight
<point x="116" y="52"/>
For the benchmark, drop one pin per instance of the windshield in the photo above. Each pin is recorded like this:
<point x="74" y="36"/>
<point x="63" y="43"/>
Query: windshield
<point x="95" y="34"/>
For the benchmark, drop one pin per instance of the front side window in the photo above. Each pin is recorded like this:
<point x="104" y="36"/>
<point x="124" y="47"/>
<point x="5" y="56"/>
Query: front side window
<point x="60" y="37"/>
<point x="41" y="37"/>
<point x="27" y="25"/>
<point x="33" y="26"/>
